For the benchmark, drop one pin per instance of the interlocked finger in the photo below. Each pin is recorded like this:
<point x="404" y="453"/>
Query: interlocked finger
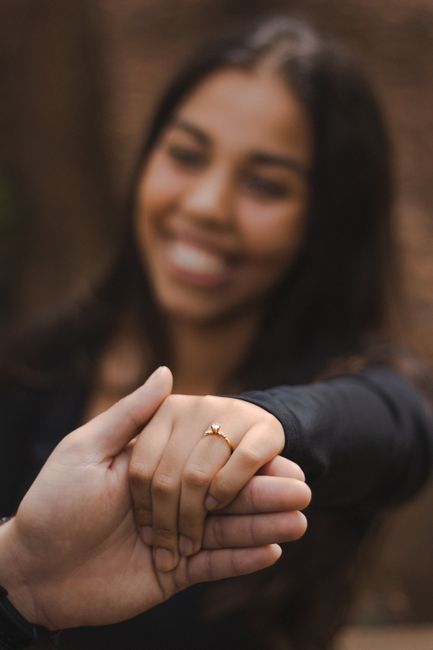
<point x="266" y="494"/>
<point x="256" y="448"/>
<point x="226" y="563"/>
<point x="253" y="530"/>
<point x="166" y="495"/>
<point x="145" y="456"/>
<point x="280" y="466"/>
<point x="208" y="456"/>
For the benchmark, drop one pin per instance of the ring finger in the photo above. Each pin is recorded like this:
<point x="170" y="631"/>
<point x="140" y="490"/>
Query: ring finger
<point x="209" y="455"/>
<point x="166" y="490"/>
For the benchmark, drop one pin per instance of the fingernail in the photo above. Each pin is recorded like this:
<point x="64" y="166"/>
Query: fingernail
<point x="186" y="546"/>
<point x="211" y="503"/>
<point x="278" y="550"/>
<point x="164" y="559"/>
<point x="146" y="535"/>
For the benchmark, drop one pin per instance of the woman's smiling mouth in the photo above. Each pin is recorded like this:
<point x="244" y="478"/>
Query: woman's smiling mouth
<point x="195" y="264"/>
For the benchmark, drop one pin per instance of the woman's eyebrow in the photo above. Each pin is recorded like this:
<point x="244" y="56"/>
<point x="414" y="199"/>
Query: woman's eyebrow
<point x="278" y="160"/>
<point x="197" y="133"/>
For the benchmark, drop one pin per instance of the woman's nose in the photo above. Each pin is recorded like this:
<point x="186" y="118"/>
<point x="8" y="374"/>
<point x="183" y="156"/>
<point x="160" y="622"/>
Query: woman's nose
<point x="209" y="198"/>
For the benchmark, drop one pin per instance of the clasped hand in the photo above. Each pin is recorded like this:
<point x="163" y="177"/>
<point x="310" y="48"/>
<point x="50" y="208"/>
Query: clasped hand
<point x="178" y="475"/>
<point x="77" y="554"/>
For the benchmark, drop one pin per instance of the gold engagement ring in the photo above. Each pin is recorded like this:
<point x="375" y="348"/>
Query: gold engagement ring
<point x="215" y="430"/>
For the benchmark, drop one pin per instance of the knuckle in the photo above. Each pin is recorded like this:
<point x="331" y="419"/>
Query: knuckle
<point x="175" y="401"/>
<point x="274" y="425"/>
<point x="218" y="533"/>
<point x="252" y="529"/>
<point x="163" y="485"/>
<point x="251" y="456"/>
<point x="207" y="400"/>
<point x="266" y="418"/>
<point x="253" y="494"/>
<point x="172" y="400"/>
<point x="138" y="474"/>
<point x="143" y="516"/>
<point x="164" y="535"/>
<point x="196" y="477"/>
<point x="221" y="490"/>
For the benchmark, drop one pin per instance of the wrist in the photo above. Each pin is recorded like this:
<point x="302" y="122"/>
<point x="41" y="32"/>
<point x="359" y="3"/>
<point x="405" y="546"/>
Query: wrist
<point x="15" y="579"/>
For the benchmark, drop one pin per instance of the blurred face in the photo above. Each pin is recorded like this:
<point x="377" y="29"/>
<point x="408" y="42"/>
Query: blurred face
<point x="223" y="197"/>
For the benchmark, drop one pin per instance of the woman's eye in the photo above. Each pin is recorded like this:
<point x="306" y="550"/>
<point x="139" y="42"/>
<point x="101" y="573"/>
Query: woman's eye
<point x="186" y="157"/>
<point x="266" y="188"/>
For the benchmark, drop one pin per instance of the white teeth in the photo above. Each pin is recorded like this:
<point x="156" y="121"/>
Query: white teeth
<point x="196" y="260"/>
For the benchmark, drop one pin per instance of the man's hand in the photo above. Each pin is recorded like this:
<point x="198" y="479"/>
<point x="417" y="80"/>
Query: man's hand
<point x="72" y="555"/>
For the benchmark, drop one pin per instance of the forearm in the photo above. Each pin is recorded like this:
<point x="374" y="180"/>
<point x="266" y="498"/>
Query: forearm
<point x="359" y="438"/>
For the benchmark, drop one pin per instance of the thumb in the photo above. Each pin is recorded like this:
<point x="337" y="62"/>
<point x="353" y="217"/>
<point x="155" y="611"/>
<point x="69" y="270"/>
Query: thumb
<point x="110" y="432"/>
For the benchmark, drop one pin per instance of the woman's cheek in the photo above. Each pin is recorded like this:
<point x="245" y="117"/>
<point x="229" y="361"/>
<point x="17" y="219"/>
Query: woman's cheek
<point x="160" y="183"/>
<point x="272" y="229"/>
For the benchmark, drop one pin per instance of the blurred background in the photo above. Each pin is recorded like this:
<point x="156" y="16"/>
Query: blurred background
<point x="79" y="81"/>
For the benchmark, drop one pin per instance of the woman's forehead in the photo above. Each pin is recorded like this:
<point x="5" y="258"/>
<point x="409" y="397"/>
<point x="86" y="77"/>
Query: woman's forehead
<point x="248" y="110"/>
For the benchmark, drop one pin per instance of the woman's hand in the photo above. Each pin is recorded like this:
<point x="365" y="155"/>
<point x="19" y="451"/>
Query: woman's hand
<point x="183" y="474"/>
<point x="72" y="554"/>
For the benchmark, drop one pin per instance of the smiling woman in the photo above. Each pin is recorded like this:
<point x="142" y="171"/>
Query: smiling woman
<point x="223" y="197"/>
<point x="257" y="261"/>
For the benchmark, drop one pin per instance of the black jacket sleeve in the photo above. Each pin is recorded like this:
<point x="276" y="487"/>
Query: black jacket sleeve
<point x="365" y="438"/>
